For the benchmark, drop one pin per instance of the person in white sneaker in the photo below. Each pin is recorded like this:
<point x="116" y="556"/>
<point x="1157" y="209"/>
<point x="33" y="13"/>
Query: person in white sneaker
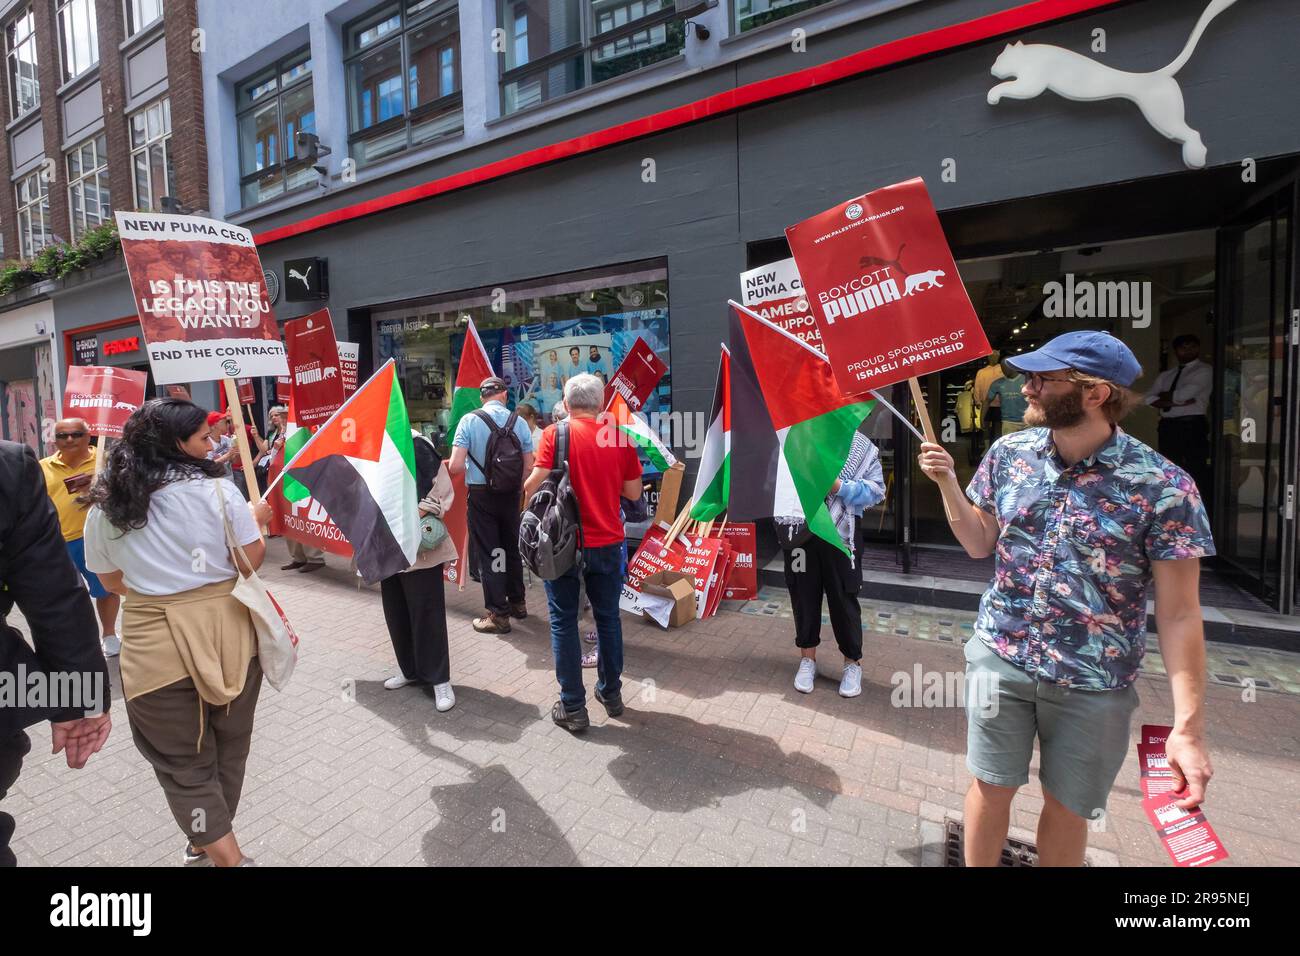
<point x="815" y="568"/>
<point x="414" y="603"/>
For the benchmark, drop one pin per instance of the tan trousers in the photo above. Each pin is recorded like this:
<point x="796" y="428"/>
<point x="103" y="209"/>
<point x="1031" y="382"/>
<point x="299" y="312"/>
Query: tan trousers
<point x="202" y="786"/>
<point x="300" y="552"/>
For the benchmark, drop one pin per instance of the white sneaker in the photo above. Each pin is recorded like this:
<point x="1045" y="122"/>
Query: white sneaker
<point x="803" y="678"/>
<point x="444" y="698"/>
<point x="851" y="682"/>
<point x="397" y="682"/>
<point x="112" y="645"/>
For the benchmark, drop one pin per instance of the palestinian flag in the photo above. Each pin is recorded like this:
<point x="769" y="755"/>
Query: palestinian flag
<point x="360" y="466"/>
<point x="474" y="367"/>
<point x="638" y="431"/>
<point x="295" y="436"/>
<point x="792" y="428"/>
<point x="713" y="483"/>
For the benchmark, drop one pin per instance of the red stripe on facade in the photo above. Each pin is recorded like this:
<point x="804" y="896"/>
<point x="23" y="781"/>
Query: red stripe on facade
<point x="895" y="52"/>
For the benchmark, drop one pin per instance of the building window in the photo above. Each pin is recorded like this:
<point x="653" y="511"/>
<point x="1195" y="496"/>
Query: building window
<point x="755" y="13"/>
<point x="551" y="52"/>
<point x="274" y="107"/>
<point x="403" y="71"/>
<point x="33" y="214"/>
<point x="20" y="47"/>
<point x="89" y="202"/>
<point x="141" y="14"/>
<point x="151" y="155"/>
<point x="78" y="36"/>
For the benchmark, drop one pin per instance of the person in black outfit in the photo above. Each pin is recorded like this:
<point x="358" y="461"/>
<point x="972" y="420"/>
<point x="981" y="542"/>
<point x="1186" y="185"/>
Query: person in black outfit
<point x="38" y="576"/>
<point x="415" y="607"/>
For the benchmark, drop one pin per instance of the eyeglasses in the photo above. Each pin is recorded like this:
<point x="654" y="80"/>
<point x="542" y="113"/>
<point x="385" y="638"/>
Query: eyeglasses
<point x="1036" y="381"/>
<point x="68" y="436"/>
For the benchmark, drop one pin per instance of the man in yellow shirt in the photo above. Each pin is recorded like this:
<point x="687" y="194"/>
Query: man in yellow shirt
<point x="68" y="475"/>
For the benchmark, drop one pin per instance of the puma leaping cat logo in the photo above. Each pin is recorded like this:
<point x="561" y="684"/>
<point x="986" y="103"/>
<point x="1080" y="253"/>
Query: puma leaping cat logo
<point x="301" y="276"/>
<point x="1032" y="70"/>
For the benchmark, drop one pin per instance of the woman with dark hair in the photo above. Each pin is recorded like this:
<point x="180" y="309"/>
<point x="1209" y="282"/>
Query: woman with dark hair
<point x="157" y="533"/>
<point x="415" y="609"/>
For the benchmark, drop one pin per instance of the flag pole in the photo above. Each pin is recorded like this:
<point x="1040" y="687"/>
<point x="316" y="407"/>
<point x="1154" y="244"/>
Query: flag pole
<point x="924" y="414"/>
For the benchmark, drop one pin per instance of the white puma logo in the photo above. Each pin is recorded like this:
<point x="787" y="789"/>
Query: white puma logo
<point x="1034" y="69"/>
<point x="924" y="280"/>
<point x="301" y="276"/>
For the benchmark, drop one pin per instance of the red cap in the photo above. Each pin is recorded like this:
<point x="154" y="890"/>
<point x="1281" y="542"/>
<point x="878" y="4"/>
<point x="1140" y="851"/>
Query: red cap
<point x="214" y="417"/>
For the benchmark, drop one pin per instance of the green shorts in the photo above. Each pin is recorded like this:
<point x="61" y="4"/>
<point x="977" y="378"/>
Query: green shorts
<point x="1083" y="735"/>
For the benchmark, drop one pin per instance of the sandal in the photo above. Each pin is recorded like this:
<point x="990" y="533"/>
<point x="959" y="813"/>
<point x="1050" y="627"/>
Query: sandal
<point x="590" y="637"/>
<point x="590" y="657"/>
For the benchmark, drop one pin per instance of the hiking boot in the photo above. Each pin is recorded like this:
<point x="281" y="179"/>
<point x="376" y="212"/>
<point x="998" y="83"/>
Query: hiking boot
<point x="492" y="624"/>
<point x="574" y="721"/>
<point x="613" y="703"/>
<point x="519" y="611"/>
<point x="292" y="565"/>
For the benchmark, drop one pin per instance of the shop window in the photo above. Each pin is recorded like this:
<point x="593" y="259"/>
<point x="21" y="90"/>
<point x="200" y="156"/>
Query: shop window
<point x="274" y="107"/>
<point x="755" y="13"/>
<point x="153" y="173"/>
<point x="78" y="36"/>
<point x="537" y="333"/>
<point x="141" y="14"/>
<point x="403" y="71"/>
<point x="33" y="214"/>
<point x="89" y="201"/>
<point x="20" y="51"/>
<point x="550" y="52"/>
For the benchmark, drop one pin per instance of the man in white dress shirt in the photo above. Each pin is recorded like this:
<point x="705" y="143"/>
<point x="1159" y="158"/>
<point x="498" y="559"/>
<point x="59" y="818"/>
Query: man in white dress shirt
<point x="1182" y="394"/>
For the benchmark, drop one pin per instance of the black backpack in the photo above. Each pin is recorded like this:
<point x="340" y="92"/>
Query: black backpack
<point x="505" y="455"/>
<point x="550" y="531"/>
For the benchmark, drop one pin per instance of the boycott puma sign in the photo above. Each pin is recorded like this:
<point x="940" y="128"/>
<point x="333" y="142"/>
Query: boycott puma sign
<point x="198" y="289"/>
<point x="314" y="368"/>
<point x="884" y="289"/>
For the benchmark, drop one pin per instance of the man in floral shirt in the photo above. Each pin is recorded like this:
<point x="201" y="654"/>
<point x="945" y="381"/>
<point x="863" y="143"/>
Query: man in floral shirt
<point x="1082" y="518"/>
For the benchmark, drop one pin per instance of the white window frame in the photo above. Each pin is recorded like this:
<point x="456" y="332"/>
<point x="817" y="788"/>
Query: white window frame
<point x="165" y="138"/>
<point x="129" y="7"/>
<point x="38" y="207"/>
<point x="71" y="71"/>
<point x="11" y="58"/>
<point x="81" y="223"/>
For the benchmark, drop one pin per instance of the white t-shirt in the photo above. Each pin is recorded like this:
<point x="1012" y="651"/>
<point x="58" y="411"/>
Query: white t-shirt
<point x="183" y="544"/>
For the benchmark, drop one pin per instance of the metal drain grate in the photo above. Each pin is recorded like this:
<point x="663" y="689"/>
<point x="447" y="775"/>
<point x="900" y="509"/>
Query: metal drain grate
<point x="1014" y="852"/>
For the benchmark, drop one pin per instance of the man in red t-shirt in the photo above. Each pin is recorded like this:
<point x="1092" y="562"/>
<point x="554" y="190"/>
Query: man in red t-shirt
<point x="603" y="468"/>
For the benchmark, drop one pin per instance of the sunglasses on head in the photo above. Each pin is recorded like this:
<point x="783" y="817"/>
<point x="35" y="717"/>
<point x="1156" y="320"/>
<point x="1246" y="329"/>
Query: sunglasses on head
<point x="66" y="436"/>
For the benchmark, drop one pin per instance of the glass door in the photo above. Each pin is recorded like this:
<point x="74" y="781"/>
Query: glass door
<point x="1255" y="468"/>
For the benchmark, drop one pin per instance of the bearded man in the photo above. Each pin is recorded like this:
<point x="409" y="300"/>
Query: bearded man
<point x="1082" y="518"/>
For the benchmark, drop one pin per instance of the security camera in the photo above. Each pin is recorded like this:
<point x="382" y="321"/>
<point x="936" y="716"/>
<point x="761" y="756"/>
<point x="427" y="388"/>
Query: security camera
<point x="309" y="150"/>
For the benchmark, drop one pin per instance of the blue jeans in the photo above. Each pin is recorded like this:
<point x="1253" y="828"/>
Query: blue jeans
<point x="602" y="572"/>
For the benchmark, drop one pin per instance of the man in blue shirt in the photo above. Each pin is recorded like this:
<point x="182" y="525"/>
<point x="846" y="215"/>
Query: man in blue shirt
<point x="1006" y="394"/>
<point x="1082" y="518"/>
<point x="494" y="515"/>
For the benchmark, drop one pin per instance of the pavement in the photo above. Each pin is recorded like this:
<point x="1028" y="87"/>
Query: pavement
<point x="716" y="761"/>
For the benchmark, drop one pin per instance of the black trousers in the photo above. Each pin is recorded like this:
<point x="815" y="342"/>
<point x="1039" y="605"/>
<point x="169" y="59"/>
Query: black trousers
<point x="12" y="750"/>
<point x="494" y="535"/>
<point x="1186" y="442"/>
<point x="816" y="569"/>
<point x="416" y="614"/>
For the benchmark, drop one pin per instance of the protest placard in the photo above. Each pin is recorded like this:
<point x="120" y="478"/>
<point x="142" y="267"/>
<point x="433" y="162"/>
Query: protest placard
<point x="315" y="377"/>
<point x="103" y="397"/>
<point x="637" y="376"/>
<point x="776" y="293"/>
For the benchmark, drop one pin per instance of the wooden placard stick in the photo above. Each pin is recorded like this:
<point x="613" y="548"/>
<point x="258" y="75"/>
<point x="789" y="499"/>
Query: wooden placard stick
<point x="241" y="441"/>
<point x="923" y="412"/>
<point x="679" y="524"/>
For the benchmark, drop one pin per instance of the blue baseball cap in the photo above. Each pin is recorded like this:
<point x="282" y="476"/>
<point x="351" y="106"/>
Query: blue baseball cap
<point x="1093" y="353"/>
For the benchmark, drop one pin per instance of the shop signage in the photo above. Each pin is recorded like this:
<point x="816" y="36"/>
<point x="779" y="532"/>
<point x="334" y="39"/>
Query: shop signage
<point x="1029" y="70"/>
<point x="122" y="346"/>
<point x="104" y="397"/>
<point x="200" y="295"/>
<point x="306" y="280"/>
<point x="314" y="374"/>
<point x="884" y="288"/>
<point x="85" y="350"/>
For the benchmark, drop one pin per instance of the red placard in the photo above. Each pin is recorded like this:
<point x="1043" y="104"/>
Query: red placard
<point x="303" y="521"/>
<point x="313" y="368"/>
<point x="885" y="291"/>
<point x="652" y="556"/>
<point x="181" y="392"/>
<point x="637" y="375"/>
<point x="282" y="389"/>
<point x="104" y="397"/>
<point x="742" y="583"/>
<point x="199" y="292"/>
<point x="245" y="388"/>
<point x="458" y="530"/>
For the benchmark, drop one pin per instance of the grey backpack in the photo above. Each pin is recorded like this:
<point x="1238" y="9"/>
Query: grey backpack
<point x="550" y="531"/>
